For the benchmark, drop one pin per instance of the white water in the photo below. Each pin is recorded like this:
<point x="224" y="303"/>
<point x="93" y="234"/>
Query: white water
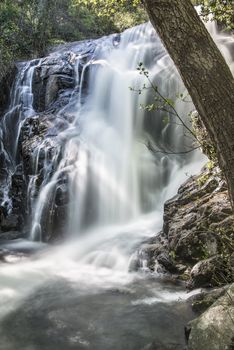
<point x="117" y="186"/>
<point x="21" y="107"/>
<point x="113" y="177"/>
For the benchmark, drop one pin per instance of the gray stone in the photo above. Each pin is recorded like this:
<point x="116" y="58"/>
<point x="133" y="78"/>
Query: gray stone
<point x="209" y="272"/>
<point x="165" y="260"/>
<point x="11" y="235"/>
<point x="202" y="301"/>
<point x="198" y="226"/>
<point x="10" y="222"/>
<point x="214" y="329"/>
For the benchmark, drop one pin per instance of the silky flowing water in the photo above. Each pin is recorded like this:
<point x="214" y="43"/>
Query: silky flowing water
<point x="80" y="294"/>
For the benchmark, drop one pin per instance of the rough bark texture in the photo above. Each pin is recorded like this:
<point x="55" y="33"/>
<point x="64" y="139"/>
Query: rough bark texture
<point x="204" y="73"/>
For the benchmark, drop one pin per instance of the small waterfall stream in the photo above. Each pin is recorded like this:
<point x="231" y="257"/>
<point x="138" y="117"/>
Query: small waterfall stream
<point x="93" y="181"/>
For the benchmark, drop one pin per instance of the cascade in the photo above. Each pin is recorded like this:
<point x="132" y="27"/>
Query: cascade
<point x="97" y="170"/>
<point x="21" y="107"/>
<point x="110" y="174"/>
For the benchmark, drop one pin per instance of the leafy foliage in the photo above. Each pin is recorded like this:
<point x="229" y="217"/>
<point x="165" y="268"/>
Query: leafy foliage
<point x="123" y="13"/>
<point x="167" y="106"/>
<point x="221" y="10"/>
<point x="108" y="7"/>
<point x="205" y="142"/>
<point x="28" y="27"/>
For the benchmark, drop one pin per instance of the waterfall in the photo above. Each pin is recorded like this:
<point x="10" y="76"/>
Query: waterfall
<point x="21" y="107"/>
<point x="94" y="161"/>
<point x="111" y="175"/>
<point x="95" y="170"/>
<point x="97" y="166"/>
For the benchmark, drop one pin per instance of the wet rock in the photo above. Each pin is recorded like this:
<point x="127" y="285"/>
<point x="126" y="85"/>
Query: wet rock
<point x="10" y="223"/>
<point x="181" y="268"/>
<point x="165" y="260"/>
<point x="18" y="193"/>
<point x="158" y="346"/>
<point x="152" y="346"/>
<point x="55" y="90"/>
<point x="202" y="301"/>
<point x="5" y="84"/>
<point x="193" y="246"/>
<point x="148" y="254"/>
<point x="54" y="73"/>
<point x="135" y="263"/>
<point x="12" y="212"/>
<point x="209" y="272"/>
<point x="62" y="195"/>
<point x="40" y="141"/>
<point x="214" y="329"/>
<point x="190" y="215"/>
<point x="54" y="218"/>
<point x="11" y="235"/>
<point x="37" y="151"/>
<point x="59" y="223"/>
<point x="54" y="84"/>
<point x="7" y="256"/>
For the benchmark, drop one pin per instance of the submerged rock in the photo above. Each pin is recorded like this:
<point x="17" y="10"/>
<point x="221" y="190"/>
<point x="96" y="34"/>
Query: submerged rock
<point x="160" y="346"/>
<point x="11" y="235"/>
<point x="8" y="256"/>
<point x="202" y="301"/>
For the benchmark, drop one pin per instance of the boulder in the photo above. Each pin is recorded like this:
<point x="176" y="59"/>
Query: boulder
<point x="153" y="255"/>
<point x="214" y="329"/>
<point x="210" y="272"/>
<point x="202" y="301"/>
<point x="166" y="261"/>
<point x="198" y="233"/>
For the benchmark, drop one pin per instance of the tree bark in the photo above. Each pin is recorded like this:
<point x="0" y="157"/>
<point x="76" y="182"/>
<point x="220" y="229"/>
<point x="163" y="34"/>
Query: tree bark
<point x="203" y="71"/>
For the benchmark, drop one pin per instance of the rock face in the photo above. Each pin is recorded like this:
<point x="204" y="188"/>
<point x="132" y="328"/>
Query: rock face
<point x="197" y="241"/>
<point x="6" y="83"/>
<point x="214" y="329"/>
<point x="43" y="105"/>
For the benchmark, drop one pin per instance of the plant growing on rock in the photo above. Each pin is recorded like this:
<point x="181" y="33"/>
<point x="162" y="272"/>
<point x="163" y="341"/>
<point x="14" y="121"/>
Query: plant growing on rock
<point x="171" y="116"/>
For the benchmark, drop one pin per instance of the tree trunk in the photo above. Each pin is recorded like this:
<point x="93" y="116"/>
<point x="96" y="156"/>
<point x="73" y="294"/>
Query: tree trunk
<point x="204" y="72"/>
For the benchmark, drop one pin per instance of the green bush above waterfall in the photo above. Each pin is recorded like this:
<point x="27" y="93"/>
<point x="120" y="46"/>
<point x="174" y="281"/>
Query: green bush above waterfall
<point x="221" y="10"/>
<point x="29" y="27"/>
